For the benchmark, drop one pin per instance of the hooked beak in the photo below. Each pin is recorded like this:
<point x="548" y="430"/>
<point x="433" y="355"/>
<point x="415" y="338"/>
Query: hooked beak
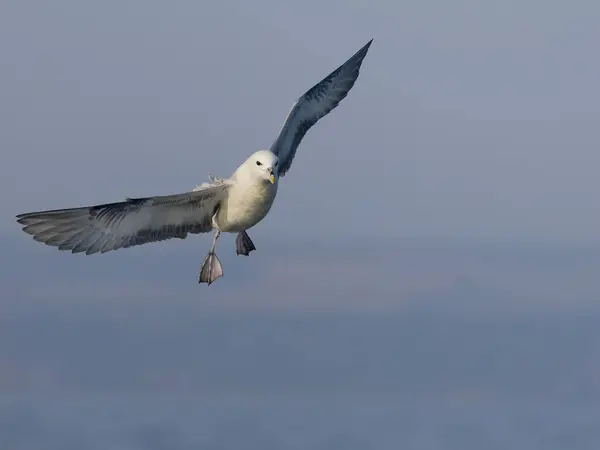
<point x="271" y="176"/>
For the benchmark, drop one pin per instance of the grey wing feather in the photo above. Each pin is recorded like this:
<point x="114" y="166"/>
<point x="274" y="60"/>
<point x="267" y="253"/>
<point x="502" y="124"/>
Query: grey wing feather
<point x="136" y="221"/>
<point x="314" y="104"/>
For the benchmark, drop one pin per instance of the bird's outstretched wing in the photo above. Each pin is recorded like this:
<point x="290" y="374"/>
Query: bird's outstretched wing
<point x="314" y="104"/>
<point x="136" y="221"/>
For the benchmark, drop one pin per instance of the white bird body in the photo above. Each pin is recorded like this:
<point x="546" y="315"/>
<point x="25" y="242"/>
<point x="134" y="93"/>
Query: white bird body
<point x="250" y="197"/>
<point x="244" y="207"/>
<point x="225" y="205"/>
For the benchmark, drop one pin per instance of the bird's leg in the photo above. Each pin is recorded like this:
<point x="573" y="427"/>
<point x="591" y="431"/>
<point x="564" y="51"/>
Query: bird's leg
<point x="243" y="244"/>
<point x="211" y="267"/>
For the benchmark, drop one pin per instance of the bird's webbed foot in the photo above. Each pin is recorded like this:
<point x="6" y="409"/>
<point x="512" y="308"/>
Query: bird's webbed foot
<point x="243" y="244"/>
<point x="211" y="269"/>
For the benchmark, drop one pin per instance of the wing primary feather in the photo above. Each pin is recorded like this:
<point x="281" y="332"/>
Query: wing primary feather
<point x="135" y="221"/>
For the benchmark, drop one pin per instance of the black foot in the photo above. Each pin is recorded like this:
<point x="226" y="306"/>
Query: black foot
<point x="243" y="244"/>
<point x="211" y="269"/>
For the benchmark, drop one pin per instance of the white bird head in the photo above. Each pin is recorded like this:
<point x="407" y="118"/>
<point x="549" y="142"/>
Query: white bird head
<point x="261" y="165"/>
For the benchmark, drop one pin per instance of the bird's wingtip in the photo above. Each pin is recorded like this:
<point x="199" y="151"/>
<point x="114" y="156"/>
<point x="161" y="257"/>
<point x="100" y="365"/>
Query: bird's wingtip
<point x="365" y="48"/>
<point x="20" y="218"/>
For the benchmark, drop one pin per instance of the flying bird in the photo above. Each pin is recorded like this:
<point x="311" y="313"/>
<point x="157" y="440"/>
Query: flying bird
<point x="231" y="205"/>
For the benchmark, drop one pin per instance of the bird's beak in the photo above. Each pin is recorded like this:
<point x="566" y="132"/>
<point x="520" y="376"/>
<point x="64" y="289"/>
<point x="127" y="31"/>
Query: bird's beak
<point x="271" y="176"/>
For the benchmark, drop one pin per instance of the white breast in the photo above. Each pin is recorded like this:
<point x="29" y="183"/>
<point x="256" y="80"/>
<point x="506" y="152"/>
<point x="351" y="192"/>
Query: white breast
<point x="245" y="207"/>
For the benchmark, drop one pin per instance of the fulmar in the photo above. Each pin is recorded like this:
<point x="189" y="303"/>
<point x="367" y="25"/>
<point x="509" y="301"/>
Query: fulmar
<point x="231" y="205"/>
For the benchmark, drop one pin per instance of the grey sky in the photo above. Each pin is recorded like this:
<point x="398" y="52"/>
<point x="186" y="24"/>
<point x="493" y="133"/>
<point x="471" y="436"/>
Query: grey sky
<point x="473" y="120"/>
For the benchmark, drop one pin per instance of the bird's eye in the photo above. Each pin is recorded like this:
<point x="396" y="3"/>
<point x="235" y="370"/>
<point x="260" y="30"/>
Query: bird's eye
<point x="258" y="163"/>
<point x="276" y="162"/>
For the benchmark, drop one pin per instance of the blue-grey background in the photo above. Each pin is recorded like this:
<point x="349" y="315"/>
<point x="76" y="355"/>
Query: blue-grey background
<point x="427" y="278"/>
